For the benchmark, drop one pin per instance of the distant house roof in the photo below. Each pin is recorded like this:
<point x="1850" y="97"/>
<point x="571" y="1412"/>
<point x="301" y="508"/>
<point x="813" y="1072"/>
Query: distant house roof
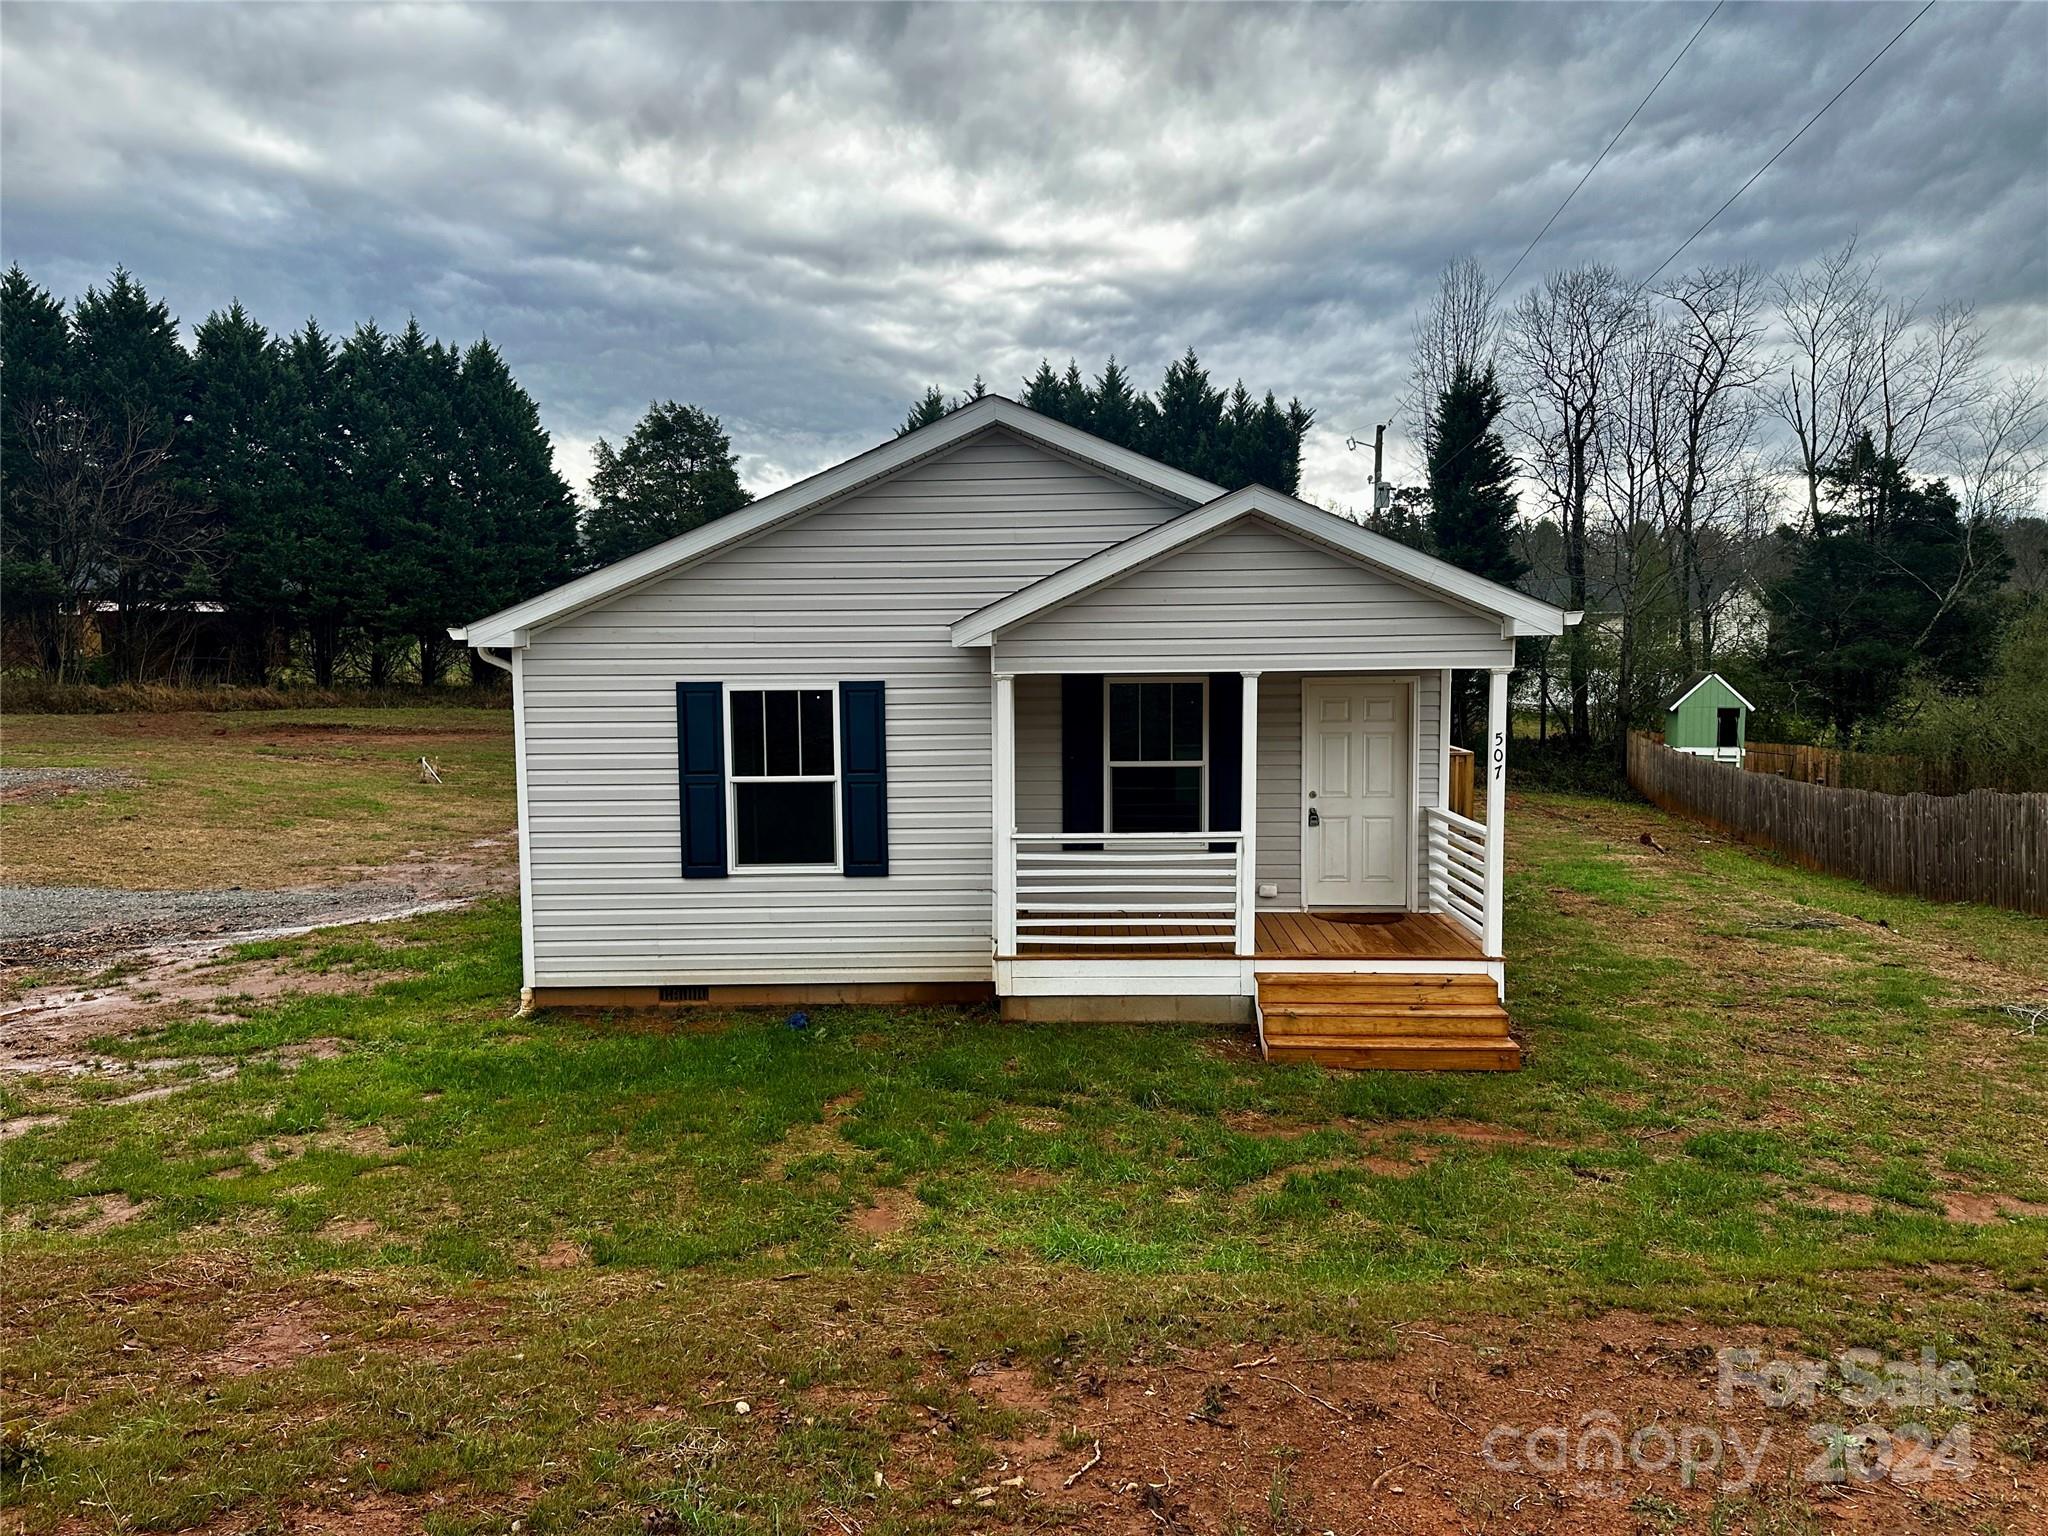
<point x="1693" y="687"/>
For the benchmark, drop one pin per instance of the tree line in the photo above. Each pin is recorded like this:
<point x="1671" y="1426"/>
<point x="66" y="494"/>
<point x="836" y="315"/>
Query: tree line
<point x="1224" y="436"/>
<point x="1801" y="480"/>
<point x="259" y="504"/>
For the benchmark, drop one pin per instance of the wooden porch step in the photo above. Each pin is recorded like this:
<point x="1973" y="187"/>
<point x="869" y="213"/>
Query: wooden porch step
<point x="1489" y="1022"/>
<point x="1401" y="1023"/>
<point x="1322" y="987"/>
<point x="1400" y="1053"/>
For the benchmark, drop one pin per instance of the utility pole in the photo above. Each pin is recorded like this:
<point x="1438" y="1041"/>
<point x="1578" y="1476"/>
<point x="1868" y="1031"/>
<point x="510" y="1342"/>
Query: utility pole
<point x="1379" y="453"/>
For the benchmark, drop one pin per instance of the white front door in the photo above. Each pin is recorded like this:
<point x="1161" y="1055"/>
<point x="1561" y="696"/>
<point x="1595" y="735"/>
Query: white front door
<point x="1356" y="840"/>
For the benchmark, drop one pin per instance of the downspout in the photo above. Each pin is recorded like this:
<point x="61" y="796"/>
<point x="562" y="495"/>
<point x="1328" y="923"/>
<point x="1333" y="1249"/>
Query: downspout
<point x="502" y="660"/>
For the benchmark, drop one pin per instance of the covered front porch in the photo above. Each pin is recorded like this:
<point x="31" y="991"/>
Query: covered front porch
<point x="1317" y="832"/>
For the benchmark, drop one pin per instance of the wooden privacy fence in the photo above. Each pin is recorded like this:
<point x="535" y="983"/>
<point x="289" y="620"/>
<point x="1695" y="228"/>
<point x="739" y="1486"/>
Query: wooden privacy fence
<point x="1982" y="846"/>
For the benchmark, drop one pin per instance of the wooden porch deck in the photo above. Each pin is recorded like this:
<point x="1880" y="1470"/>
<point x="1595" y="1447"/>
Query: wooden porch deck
<point x="1288" y="936"/>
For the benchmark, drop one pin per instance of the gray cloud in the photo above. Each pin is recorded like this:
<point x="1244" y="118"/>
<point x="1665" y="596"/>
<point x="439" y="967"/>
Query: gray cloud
<point x="799" y="217"/>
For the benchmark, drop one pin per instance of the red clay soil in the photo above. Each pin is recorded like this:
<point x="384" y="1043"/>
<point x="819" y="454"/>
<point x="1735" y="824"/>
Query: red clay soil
<point x="1454" y="1436"/>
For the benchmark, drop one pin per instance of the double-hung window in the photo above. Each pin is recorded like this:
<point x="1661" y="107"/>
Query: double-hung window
<point x="785" y="777"/>
<point x="1158" y="754"/>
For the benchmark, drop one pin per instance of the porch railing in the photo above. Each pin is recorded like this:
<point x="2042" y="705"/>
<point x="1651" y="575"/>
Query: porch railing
<point x="1456" y="869"/>
<point x="1125" y="890"/>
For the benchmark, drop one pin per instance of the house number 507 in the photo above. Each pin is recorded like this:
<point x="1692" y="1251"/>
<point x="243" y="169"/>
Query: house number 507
<point x="1500" y="753"/>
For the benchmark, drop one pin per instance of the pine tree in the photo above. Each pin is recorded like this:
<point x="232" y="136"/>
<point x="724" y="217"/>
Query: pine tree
<point x="235" y="459"/>
<point x="1472" y="505"/>
<point x="675" y="472"/>
<point x="518" y="513"/>
<point x="1113" y="406"/>
<point x="326" y="546"/>
<point x="1043" y="393"/>
<point x="36" y="574"/>
<point x="371" y="497"/>
<point x="130" y="387"/>
<point x="1889" y="578"/>
<point x="1190" y="420"/>
<point x="931" y="405"/>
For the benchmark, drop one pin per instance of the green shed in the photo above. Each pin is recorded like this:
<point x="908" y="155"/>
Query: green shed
<point x="1708" y="718"/>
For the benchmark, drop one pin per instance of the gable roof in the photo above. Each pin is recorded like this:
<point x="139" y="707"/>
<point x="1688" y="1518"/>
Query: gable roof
<point x="509" y="626"/>
<point x="1519" y="614"/>
<point x="1700" y="681"/>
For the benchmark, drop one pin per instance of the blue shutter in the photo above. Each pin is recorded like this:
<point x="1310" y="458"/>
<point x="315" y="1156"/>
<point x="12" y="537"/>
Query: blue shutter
<point x="1226" y="755"/>
<point x="700" y="762"/>
<point x="864" y="780"/>
<point x="1081" y="756"/>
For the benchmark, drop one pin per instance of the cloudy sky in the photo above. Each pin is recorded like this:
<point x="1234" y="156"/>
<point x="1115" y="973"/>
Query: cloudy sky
<point x="798" y="218"/>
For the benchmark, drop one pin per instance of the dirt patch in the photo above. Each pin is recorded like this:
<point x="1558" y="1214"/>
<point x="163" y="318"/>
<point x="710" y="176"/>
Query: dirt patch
<point x="379" y="1516"/>
<point x="893" y="1211"/>
<point x="1251" y="1122"/>
<point x="1474" y="1131"/>
<point x="559" y="1255"/>
<point x="1457" y="1432"/>
<point x="21" y="1125"/>
<point x="1030" y="1178"/>
<point x="1840" y="1201"/>
<point x="267" y="1340"/>
<point x="1983" y="1210"/>
<point x="354" y="1229"/>
<point x="817" y="1138"/>
<point x="100" y="1213"/>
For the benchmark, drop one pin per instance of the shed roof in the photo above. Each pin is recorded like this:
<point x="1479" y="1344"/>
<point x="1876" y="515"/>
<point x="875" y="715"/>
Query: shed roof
<point x="1698" y="680"/>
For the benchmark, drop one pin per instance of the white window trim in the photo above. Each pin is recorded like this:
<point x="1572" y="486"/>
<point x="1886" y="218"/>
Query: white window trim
<point x="734" y="778"/>
<point x="1110" y="761"/>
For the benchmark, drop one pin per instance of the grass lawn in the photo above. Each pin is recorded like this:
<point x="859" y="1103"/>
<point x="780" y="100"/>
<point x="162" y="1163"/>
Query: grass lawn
<point x="253" y="798"/>
<point x="421" y="1264"/>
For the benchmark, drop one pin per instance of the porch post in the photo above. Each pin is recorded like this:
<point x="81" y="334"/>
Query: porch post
<point x="1003" y="776"/>
<point x="1248" y="816"/>
<point x="1496" y="771"/>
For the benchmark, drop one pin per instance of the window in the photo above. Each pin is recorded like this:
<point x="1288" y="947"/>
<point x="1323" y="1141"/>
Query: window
<point x="785" y="778"/>
<point x="1727" y="727"/>
<point x="1158" y="755"/>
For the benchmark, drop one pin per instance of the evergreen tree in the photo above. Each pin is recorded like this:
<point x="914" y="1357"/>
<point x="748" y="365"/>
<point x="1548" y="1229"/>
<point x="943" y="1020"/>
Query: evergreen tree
<point x="436" y="558"/>
<point x="1472" y="506"/>
<point x="1043" y="392"/>
<point x="931" y="405"/>
<point x="35" y="377"/>
<point x="1114" y="411"/>
<point x="518" y="513"/>
<point x="675" y="472"/>
<point x="130" y="383"/>
<point x="370" y="498"/>
<point x="234" y="459"/>
<point x="326" y="548"/>
<point x="1190" y="422"/>
<point x="1889" y="575"/>
<point x="1472" y="479"/>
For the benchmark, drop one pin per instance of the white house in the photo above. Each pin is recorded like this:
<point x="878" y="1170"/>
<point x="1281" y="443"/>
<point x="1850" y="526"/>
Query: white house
<point x="1001" y="709"/>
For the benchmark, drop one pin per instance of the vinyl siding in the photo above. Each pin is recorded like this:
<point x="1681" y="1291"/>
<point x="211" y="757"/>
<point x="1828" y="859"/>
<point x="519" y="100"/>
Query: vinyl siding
<point x="1253" y="596"/>
<point x="1038" y="754"/>
<point x="866" y="588"/>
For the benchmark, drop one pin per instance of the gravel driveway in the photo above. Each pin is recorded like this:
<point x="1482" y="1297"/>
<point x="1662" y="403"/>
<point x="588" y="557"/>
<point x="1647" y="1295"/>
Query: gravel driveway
<point x="40" y="924"/>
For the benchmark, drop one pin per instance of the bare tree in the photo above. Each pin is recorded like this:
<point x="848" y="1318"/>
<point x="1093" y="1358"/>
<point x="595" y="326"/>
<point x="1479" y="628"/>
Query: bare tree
<point x="1714" y="336"/>
<point x="1825" y="376"/>
<point x="1994" y="451"/>
<point x="1925" y="375"/>
<point x="117" y="537"/>
<point x="1559" y="338"/>
<point x="1634" y="504"/>
<point x="1459" y="328"/>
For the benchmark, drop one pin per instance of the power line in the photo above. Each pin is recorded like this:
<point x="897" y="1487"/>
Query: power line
<point x="1887" y="48"/>
<point x="1603" y="153"/>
